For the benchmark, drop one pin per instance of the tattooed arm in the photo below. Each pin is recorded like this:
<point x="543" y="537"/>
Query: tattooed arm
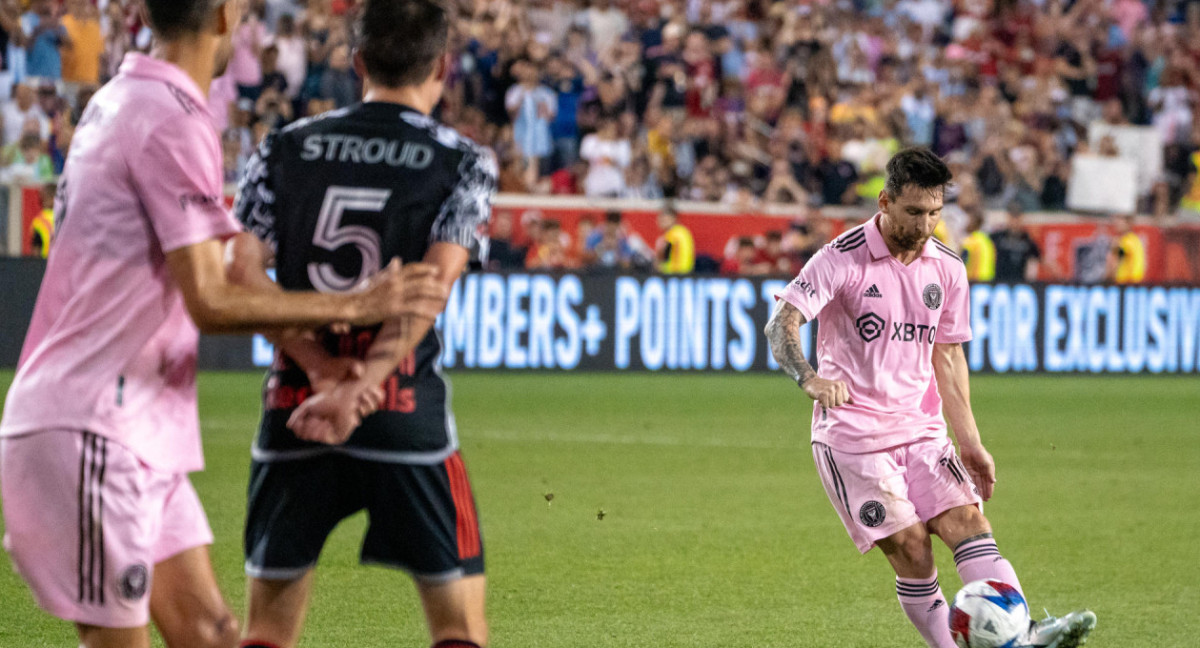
<point x="783" y="333"/>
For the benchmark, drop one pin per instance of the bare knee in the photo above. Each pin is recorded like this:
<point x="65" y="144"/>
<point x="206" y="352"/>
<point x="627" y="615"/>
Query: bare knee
<point x="910" y="553"/>
<point x="958" y="524"/>
<point x="218" y="629"/>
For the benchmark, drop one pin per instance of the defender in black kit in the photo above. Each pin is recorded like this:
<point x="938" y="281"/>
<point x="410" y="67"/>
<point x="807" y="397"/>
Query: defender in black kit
<point x="361" y="419"/>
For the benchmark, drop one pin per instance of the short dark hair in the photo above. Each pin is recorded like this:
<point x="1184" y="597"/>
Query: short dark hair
<point x="918" y="167"/>
<point x="172" y="19"/>
<point x="401" y="40"/>
<point x="613" y="216"/>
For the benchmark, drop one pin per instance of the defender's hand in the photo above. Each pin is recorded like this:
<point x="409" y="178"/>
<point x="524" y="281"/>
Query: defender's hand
<point x="829" y="393"/>
<point x="331" y="417"/>
<point x="980" y="467"/>
<point x="326" y="374"/>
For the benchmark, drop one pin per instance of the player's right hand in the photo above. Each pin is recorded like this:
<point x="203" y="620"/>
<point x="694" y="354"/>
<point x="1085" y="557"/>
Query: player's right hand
<point x="829" y="393"/>
<point x="331" y="417"/>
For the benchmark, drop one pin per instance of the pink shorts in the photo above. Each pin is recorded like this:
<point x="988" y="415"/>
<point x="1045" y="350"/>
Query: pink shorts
<point x="86" y="521"/>
<point x="878" y="494"/>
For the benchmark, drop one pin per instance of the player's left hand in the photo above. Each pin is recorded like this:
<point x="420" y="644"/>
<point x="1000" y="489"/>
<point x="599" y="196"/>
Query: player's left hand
<point x="981" y="468"/>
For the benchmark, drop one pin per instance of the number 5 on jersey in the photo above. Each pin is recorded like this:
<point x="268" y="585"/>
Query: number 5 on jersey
<point x="331" y="234"/>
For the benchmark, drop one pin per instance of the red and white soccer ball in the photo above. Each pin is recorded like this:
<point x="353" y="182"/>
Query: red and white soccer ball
<point x="989" y="614"/>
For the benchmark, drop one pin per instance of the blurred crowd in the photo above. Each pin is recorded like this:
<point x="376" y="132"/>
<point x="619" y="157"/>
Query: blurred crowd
<point x="745" y="102"/>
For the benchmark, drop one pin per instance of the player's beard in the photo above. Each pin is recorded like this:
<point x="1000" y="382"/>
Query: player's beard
<point x="910" y="241"/>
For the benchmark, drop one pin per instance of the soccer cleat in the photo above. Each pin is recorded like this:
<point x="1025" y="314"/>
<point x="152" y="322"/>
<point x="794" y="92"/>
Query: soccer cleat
<point x="1061" y="632"/>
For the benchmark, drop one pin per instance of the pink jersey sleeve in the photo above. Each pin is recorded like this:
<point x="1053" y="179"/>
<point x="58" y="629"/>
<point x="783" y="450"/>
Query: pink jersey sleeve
<point x="815" y="286"/>
<point x="178" y="177"/>
<point x="955" y="324"/>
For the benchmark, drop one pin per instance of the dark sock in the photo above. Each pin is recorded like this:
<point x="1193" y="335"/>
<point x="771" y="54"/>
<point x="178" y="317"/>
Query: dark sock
<point x="456" y="643"/>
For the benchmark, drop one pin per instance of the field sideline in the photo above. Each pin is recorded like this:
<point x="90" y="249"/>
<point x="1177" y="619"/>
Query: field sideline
<point x="686" y="512"/>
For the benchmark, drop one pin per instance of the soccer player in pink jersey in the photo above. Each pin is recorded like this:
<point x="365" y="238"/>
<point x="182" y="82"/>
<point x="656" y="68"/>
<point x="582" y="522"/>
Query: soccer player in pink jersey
<point x="892" y="302"/>
<point x="100" y="425"/>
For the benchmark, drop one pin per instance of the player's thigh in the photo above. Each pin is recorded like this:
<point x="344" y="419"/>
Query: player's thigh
<point x="186" y="603"/>
<point x="454" y="609"/>
<point x="422" y="519"/>
<point x="292" y="508"/>
<point x="937" y="480"/>
<point x="103" y="509"/>
<point x="869" y="491"/>
<point x="276" y="609"/>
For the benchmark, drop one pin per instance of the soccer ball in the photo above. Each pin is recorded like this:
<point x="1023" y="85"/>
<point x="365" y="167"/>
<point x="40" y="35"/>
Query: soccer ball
<point x="988" y="614"/>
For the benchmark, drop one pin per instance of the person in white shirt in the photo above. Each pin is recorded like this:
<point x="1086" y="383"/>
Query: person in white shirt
<point x="607" y="155"/>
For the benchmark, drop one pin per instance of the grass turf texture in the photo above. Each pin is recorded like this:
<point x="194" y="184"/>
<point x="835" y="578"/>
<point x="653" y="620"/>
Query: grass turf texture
<point x="715" y="530"/>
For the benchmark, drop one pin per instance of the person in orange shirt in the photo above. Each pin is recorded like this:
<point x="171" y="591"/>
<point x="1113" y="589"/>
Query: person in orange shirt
<point x="81" y="59"/>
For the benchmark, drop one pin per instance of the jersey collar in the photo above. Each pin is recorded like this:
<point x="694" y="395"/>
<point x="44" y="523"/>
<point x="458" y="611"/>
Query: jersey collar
<point x="136" y="64"/>
<point x="879" y="248"/>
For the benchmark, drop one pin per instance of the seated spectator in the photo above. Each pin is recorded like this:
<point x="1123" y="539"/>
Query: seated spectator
<point x="549" y="250"/>
<point x="23" y="113"/>
<point x="640" y="181"/>
<point x="770" y="258"/>
<point x="503" y="252"/>
<point x="741" y="261"/>
<point x="27" y="161"/>
<point x="607" y="247"/>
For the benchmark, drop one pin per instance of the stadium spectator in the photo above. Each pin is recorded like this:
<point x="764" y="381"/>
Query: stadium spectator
<point x="81" y="59"/>
<point x="503" y="252"/>
<point x="550" y="248"/>
<point x="532" y="108"/>
<point x="23" y="114"/>
<point x="1127" y="256"/>
<point x="46" y="38"/>
<point x="740" y="261"/>
<point x="337" y="80"/>
<point x="608" y="246"/>
<point x="26" y="162"/>
<point x="1017" y="254"/>
<point x="675" y="249"/>
<point x="607" y="154"/>
<point x="41" y="229"/>
<point x="771" y="258"/>
<point x="978" y="250"/>
<point x="292" y="60"/>
<point x="248" y="41"/>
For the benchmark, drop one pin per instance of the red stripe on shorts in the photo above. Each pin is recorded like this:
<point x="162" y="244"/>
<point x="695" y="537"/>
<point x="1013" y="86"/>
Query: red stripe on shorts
<point x="467" y="523"/>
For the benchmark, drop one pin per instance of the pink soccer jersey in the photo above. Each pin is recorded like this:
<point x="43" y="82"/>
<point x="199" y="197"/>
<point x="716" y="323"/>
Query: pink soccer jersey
<point x="111" y="348"/>
<point x="877" y="322"/>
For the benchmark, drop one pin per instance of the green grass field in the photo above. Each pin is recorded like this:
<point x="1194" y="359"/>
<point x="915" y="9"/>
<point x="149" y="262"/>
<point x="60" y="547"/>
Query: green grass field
<point x="715" y="530"/>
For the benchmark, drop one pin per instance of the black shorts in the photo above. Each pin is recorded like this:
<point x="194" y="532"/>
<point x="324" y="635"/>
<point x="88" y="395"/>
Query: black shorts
<point x="422" y="518"/>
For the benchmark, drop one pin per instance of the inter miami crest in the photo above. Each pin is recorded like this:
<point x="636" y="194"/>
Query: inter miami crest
<point x="932" y="296"/>
<point x="134" y="581"/>
<point x="872" y="514"/>
<point x="870" y="326"/>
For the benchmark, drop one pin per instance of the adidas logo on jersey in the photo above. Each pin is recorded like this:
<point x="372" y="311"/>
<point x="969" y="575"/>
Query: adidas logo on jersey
<point x="873" y="292"/>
